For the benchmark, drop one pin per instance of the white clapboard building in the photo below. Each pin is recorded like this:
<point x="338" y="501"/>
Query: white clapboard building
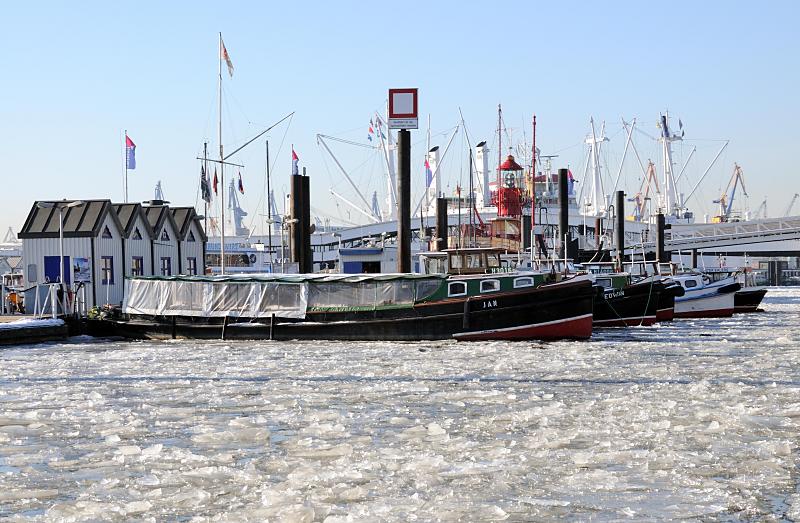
<point x="192" y="241"/>
<point x="105" y="242"/>
<point x="166" y="239"/>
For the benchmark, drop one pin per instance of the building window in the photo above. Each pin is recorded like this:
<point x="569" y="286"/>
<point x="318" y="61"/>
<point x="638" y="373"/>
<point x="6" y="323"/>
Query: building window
<point x="457" y="288"/>
<point x="107" y="233"/>
<point x="191" y="266"/>
<point x="137" y="266"/>
<point x="136" y="234"/>
<point x="191" y="237"/>
<point x="490" y="286"/>
<point x="166" y="266"/>
<point x="107" y="270"/>
<point x="164" y="235"/>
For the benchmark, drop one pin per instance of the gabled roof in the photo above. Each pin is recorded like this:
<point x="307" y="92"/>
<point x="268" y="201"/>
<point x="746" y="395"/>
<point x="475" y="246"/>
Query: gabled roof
<point x="156" y="215"/>
<point x="127" y="213"/>
<point x="83" y="220"/>
<point x="184" y="217"/>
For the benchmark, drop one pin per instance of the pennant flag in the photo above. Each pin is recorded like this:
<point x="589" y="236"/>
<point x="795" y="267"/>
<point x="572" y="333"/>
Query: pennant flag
<point x="295" y="159"/>
<point x="205" y="190"/>
<point x="428" y="174"/>
<point x="370" y="132"/>
<point x="225" y="56"/>
<point x="130" y="153"/>
<point x="215" y="181"/>
<point x="680" y="124"/>
<point x="241" y="186"/>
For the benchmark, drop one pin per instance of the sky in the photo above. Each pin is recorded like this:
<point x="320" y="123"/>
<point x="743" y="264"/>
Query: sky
<point x="77" y="75"/>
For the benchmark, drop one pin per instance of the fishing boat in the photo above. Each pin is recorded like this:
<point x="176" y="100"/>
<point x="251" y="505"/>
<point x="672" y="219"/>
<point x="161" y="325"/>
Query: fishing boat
<point x="752" y="291"/>
<point x="469" y="303"/>
<point x="705" y="297"/>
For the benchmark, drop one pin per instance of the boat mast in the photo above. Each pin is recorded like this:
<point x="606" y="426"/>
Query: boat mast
<point x="221" y="166"/>
<point x="269" y="213"/>
<point x="205" y="202"/>
<point x="499" y="150"/>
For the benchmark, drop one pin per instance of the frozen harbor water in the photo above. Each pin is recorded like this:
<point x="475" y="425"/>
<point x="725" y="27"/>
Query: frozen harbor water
<point x="689" y="420"/>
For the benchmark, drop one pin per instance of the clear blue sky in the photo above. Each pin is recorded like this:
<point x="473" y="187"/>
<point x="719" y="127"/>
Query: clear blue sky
<point x="78" y="74"/>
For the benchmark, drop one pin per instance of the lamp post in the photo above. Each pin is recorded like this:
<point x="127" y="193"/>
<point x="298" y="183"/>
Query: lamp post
<point x="64" y="204"/>
<point x="285" y="223"/>
<point x="338" y="236"/>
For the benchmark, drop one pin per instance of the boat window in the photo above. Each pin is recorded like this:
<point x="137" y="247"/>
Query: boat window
<point x="490" y="286"/>
<point x="689" y="284"/>
<point x="425" y="288"/>
<point x="493" y="260"/>
<point x="604" y="282"/>
<point x="474" y="261"/>
<point x="456" y="261"/>
<point x="523" y="282"/>
<point x="457" y="288"/>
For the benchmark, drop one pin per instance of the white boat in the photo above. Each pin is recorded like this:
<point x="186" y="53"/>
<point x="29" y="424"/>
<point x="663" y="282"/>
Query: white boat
<point x="704" y="297"/>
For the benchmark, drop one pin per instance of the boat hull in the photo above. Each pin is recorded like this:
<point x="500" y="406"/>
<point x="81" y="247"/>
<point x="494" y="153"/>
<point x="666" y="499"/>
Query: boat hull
<point x="748" y="300"/>
<point x="633" y="305"/>
<point x="546" y="312"/>
<point x="716" y="305"/>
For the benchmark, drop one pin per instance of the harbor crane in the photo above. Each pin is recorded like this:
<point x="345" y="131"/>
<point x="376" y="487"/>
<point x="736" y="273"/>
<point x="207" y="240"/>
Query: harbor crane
<point x="791" y="204"/>
<point x="726" y="199"/>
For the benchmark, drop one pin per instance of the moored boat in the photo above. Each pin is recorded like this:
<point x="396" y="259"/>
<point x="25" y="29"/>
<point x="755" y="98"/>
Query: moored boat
<point x="704" y="298"/>
<point x="465" y="306"/>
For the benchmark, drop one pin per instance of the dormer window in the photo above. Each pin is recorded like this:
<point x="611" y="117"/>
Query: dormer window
<point x="164" y="235"/>
<point x="136" y="234"/>
<point x="107" y="233"/>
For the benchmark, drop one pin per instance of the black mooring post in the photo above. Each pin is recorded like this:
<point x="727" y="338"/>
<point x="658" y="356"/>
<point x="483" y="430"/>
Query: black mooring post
<point x="563" y="214"/>
<point x="620" y="232"/>
<point x="296" y="226"/>
<point x="441" y="224"/>
<point x="598" y="230"/>
<point x="404" y="201"/>
<point x="308" y="255"/>
<point x="661" y="256"/>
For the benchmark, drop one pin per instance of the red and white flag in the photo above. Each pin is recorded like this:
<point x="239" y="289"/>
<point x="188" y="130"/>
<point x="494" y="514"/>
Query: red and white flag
<point x="225" y="56"/>
<point x="295" y="159"/>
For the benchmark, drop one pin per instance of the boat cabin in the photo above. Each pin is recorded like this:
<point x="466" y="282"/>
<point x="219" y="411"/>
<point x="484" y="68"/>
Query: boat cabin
<point x="464" y="261"/>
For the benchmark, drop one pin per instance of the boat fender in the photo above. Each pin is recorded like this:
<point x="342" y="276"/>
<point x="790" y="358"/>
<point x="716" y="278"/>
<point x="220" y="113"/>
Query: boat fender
<point x="731" y="287"/>
<point x="465" y="323"/>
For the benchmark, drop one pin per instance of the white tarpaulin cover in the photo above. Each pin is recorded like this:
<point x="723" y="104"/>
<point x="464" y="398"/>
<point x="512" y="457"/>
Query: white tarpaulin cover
<point x="261" y="296"/>
<point x="249" y="299"/>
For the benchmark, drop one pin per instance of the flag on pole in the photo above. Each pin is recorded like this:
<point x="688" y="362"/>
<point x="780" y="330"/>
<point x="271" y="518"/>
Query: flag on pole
<point x="371" y="131"/>
<point x="225" y="56"/>
<point x="428" y="174"/>
<point x="205" y="190"/>
<point x="241" y="186"/>
<point x="130" y="153"/>
<point x="295" y="159"/>
<point x="215" y="181"/>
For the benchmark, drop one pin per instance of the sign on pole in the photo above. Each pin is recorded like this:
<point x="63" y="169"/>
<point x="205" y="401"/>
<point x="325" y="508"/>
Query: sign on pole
<point x="403" y="109"/>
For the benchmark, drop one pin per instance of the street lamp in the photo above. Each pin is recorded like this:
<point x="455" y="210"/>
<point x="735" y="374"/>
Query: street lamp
<point x="338" y="235"/>
<point x="285" y="223"/>
<point x="64" y="204"/>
